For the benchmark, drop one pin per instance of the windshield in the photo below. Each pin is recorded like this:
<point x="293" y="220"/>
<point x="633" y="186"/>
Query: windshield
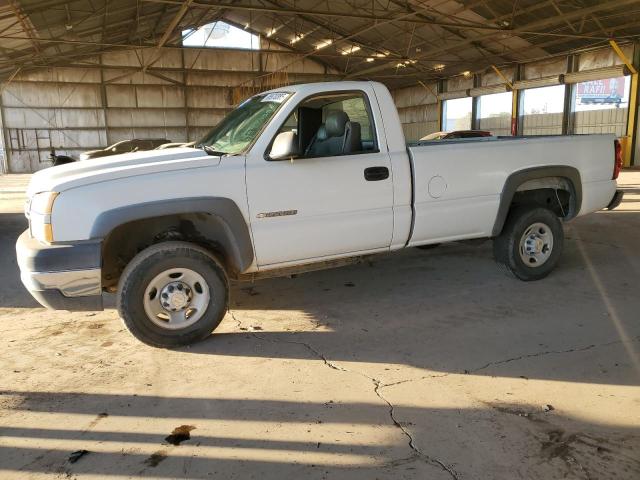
<point x="238" y="129"/>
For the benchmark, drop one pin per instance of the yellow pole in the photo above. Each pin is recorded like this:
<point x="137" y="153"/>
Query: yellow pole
<point x="514" y="100"/>
<point x="501" y="75"/>
<point x="622" y="56"/>
<point x="514" y="112"/>
<point x="631" y="125"/>
<point x="627" y="144"/>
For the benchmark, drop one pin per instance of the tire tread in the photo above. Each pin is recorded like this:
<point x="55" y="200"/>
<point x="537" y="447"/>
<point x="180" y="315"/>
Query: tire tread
<point x="126" y="285"/>
<point x="505" y="245"/>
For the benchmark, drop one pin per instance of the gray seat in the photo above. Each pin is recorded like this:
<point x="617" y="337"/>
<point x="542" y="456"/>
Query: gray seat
<point x="337" y="136"/>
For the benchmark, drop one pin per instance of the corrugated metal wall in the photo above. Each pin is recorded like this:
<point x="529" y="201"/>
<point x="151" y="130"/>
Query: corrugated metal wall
<point x="108" y="99"/>
<point x="418" y="110"/>
<point x="185" y="92"/>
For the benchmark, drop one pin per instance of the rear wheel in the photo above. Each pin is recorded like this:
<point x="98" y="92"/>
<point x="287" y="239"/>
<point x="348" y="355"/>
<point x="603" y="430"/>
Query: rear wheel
<point x="172" y="294"/>
<point x="530" y="243"/>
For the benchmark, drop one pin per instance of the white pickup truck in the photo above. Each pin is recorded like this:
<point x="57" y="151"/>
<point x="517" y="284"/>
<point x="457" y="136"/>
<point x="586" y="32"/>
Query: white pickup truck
<point x="298" y="178"/>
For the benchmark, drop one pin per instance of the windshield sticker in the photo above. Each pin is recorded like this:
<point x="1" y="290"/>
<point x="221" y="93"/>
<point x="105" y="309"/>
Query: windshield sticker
<point x="277" y="97"/>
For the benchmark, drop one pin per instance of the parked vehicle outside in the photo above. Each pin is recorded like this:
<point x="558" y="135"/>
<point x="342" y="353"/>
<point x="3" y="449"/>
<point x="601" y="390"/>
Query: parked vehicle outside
<point x="125" y="146"/>
<point x="164" y="146"/>
<point x="57" y="159"/>
<point x="295" y="179"/>
<point x="456" y="135"/>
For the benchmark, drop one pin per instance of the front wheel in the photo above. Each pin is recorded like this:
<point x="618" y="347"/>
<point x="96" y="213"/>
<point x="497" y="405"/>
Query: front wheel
<point x="530" y="243"/>
<point x="173" y="294"/>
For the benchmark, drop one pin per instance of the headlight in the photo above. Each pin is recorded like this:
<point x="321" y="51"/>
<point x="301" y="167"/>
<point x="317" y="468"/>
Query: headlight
<point x="42" y="231"/>
<point x="40" y="215"/>
<point x="42" y="203"/>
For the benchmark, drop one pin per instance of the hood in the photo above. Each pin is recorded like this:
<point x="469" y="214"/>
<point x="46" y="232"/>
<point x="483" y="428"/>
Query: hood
<point x="72" y="175"/>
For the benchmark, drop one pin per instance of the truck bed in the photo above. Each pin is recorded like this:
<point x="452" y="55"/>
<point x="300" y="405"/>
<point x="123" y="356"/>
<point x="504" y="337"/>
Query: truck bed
<point x="457" y="184"/>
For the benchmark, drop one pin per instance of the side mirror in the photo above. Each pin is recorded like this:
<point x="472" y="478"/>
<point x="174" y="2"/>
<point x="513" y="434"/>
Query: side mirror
<point x="285" y="147"/>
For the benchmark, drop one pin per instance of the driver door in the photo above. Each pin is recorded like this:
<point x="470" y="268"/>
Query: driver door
<point x="327" y="205"/>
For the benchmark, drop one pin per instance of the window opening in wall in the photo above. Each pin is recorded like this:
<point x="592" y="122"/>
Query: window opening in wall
<point x="220" y="35"/>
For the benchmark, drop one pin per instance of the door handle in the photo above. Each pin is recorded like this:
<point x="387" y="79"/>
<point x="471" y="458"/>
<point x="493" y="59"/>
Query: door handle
<point x="375" y="174"/>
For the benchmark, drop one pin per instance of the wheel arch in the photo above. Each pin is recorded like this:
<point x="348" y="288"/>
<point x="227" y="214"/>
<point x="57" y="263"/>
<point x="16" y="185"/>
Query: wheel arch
<point x="213" y="220"/>
<point x="539" y="178"/>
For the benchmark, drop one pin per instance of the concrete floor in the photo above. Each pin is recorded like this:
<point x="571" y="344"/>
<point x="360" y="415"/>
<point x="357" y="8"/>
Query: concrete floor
<point x="421" y="364"/>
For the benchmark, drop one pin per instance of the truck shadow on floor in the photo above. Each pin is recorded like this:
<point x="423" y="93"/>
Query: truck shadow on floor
<point x="452" y="310"/>
<point x="312" y="438"/>
<point x="422" y="308"/>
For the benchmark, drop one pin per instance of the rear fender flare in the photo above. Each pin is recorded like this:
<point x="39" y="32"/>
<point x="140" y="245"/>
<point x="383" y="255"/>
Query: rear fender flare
<point x="516" y="179"/>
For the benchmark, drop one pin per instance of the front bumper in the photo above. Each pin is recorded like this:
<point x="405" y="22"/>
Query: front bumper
<point x="61" y="277"/>
<point x="615" y="201"/>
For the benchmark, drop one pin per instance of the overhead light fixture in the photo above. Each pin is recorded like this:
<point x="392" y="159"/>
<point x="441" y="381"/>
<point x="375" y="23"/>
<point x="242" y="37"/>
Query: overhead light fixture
<point x="400" y="65"/>
<point x="466" y="73"/>
<point x="370" y="59"/>
<point x="439" y="67"/>
<point x="297" y="38"/>
<point x="271" y="32"/>
<point x="353" y="48"/>
<point x="323" y="44"/>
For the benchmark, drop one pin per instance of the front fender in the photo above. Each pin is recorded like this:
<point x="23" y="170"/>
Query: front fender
<point x="236" y="238"/>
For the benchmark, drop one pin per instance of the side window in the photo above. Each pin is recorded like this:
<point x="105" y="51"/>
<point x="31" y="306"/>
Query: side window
<point x="332" y="125"/>
<point x="291" y="124"/>
<point x="357" y="110"/>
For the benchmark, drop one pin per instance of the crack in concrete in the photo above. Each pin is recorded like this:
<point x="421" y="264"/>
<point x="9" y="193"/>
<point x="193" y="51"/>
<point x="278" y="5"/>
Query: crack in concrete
<point x="428" y="458"/>
<point x="409" y="380"/>
<point x="547" y="352"/>
<point x="378" y="386"/>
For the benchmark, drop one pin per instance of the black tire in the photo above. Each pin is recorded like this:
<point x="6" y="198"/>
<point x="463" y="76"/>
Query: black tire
<point x="151" y="262"/>
<point x="507" y="246"/>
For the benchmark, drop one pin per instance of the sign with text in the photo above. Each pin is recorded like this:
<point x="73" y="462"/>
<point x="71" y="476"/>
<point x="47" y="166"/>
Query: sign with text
<point x="610" y="90"/>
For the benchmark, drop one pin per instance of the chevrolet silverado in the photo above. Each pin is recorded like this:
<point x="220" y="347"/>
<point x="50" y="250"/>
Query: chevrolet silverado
<point x="298" y="178"/>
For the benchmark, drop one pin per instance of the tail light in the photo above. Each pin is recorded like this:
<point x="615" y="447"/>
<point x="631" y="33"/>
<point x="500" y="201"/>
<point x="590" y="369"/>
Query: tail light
<point x="617" y="165"/>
